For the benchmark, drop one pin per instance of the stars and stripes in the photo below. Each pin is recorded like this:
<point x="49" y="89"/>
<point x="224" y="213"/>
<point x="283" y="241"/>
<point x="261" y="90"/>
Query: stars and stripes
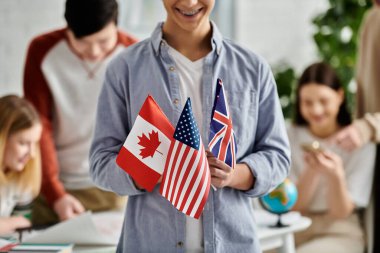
<point x="180" y="157"/>
<point x="186" y="179"/>
<point x="222" y="138"/>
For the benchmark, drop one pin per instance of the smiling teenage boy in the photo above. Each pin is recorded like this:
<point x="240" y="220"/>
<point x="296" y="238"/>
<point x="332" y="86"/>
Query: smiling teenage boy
<point x="64" y="71"/>
<point x="183" y="58"/>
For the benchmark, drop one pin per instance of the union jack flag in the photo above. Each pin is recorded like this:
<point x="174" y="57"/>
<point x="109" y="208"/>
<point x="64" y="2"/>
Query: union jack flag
<point x="222" y="137"/>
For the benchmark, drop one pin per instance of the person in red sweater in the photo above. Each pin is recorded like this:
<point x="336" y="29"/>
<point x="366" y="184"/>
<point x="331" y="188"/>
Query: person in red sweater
<point x="63" y="76"/>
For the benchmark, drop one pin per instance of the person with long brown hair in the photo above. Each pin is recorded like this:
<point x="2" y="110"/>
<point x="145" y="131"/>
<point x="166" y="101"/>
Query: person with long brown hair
<point x="333" y="184"/>
<point x="20" y="165"/>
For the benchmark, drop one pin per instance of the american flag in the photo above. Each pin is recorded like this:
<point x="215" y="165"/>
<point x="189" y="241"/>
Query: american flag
<point x="222" y="138"/>
<point x="186" y="179"/>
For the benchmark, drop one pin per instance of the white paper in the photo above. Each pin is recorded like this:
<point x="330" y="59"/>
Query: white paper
<point x="4" y="242"/>
<point x="109" y="224"/>
<point x="79" y="230"/>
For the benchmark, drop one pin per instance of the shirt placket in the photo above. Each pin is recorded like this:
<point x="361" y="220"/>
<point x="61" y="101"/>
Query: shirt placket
<point x="208" y="91"/>
<point x="176" y="103"/>
<point x="173" y="78"/>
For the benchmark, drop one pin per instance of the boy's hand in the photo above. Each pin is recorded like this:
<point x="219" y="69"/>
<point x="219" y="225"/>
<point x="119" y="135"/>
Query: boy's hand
<point x="221" y="173"/>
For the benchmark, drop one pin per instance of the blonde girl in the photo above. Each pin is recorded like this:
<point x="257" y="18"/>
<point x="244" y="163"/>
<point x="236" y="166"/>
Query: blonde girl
<point x="20" y="167"/>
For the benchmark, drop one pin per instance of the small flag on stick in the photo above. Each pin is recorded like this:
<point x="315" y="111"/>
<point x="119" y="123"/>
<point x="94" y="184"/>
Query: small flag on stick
<point x="186" y="179"/>
<point x="222" y="138"/>
<point x="143" y="155"/>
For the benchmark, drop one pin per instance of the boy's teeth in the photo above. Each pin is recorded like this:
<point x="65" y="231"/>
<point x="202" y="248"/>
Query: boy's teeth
<point x="189" y="13"/>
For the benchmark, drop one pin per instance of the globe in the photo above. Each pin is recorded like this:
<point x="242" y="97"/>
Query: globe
<point x="281" y="199"/>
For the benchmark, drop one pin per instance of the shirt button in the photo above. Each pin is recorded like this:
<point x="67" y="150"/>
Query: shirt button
<point x="172" y="68"/>
<point x="176" y="101"/>
<point x="180" y="244"/>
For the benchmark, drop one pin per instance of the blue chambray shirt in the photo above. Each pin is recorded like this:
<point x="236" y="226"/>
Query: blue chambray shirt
<point x="151" y="223"/>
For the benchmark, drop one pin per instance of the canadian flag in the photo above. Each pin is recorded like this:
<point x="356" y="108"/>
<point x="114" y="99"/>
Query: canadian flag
<point x="145" y="150"/>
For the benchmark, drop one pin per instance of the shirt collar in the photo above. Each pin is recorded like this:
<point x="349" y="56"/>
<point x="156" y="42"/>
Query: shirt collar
<point x="216" y="39"/>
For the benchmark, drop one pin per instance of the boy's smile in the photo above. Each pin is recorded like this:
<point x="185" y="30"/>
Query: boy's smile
<point x="189" y="15"/>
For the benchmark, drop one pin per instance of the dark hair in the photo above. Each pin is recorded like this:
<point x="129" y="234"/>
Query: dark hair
<point x="322" y="74"/>
<point x="86" y="17"/>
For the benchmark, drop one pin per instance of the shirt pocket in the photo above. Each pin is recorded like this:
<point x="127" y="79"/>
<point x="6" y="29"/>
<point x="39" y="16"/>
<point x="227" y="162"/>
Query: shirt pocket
<point x="243" y="108"/>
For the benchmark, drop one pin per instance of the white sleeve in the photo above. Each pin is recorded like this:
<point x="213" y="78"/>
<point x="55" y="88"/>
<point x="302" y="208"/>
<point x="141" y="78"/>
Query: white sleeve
<point x="294" y="170"/>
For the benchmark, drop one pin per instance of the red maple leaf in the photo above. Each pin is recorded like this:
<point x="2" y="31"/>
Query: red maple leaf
<point x="149" y="145"/>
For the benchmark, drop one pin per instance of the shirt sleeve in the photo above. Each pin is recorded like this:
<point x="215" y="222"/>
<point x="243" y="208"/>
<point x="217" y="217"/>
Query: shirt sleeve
<point x="111" y="130"/>
<point x="270" y="161"/>
<point x="294" y="170"/>
<point x="36" y="90"/>
<point x="360" y="170"/>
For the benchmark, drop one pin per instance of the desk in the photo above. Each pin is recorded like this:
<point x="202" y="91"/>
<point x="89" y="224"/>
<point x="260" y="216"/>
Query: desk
<point x="93" y="249"/>
<point x="281" y="239"/>
<point x="110" y="223"/>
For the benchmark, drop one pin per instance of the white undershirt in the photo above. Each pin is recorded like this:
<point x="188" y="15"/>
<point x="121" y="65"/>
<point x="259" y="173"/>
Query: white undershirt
<point x="10" y="197"/>
<point x="190" y="77"/>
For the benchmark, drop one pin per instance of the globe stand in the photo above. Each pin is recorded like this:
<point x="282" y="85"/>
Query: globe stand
<point x="279" y="223"/>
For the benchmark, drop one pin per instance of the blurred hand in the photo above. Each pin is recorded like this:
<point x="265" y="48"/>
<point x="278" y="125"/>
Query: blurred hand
<point x="348" y="138"/>
<point x="68" y="207"/>
<point x="221" y="173"/>
<point x="20" y="222"/>
<point x="326" y="162"/>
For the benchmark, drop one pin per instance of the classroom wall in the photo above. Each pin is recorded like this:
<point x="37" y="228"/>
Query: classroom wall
<point x="279" y="30"/>
<point x="21" y="20"/>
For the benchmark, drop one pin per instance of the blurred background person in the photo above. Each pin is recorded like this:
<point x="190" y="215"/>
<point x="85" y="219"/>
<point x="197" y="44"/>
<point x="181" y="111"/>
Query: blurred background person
<point x="333" y="184"/>
<point x="20" y="166"/>
<point x="64" y="71"/>
<point x="366" y="128"/>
